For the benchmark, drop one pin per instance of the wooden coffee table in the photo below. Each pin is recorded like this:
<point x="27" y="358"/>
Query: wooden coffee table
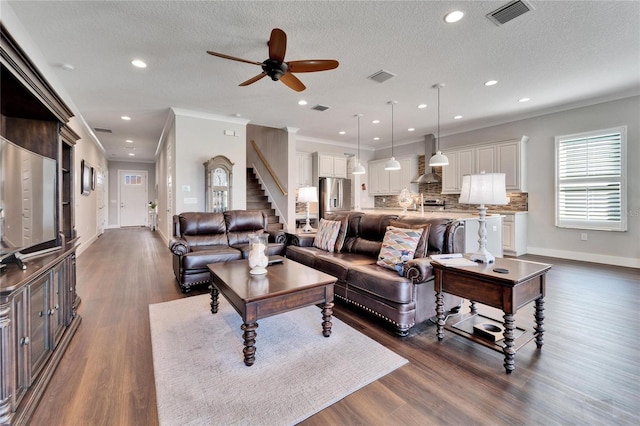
<point x="286" y="286"/>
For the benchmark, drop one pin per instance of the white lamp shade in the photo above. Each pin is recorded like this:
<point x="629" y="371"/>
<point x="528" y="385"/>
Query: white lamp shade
<point x="392" y="164"/>
<point x="484" y="188"/>
<point x="308" y="194"/>
<point x="438" y="159"/>
<point x="359" y="169"/>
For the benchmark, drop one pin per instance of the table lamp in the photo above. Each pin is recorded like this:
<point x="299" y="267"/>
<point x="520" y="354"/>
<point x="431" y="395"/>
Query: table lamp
<point x="307" y="194"/>
<point x="484" y="188"/>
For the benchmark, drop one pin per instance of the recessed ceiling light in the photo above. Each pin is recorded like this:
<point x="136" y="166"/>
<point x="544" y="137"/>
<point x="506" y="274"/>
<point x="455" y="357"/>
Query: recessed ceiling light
<point x="422" y="106"/>
<point x="131" y="154"/>
<point x="129" y="141"/>
<point x="342" y="132"/>
<point x="124" y="117"/>
<point x="410" y="129"/>
<point x="524" y="99"/>
<point x="302" y="102"/>
<point x="376" y="121"/>
<point x="457" y="117"/>
<point x="491" y="83"/>
<point x="454" y="16"/>
<point x="138" y="63"/>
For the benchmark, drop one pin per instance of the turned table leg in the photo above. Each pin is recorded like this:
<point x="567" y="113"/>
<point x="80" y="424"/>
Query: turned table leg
<point x="214" y="299"/>
<point x="249" y="337"/>
<point x="440" y="315"/>
<point x="327" y="312"/>
<point x="509" y="351"/>
<point x="539" y="315"/>
<point x="472" y="307"/>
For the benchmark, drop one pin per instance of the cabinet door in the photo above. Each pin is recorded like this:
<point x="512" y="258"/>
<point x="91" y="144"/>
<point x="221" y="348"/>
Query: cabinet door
<point x="450" y="174"/>
<point x="486" y="159"/>
<point x="57" y="302"/>
<point x="395" y="181"/>
<point x="325" y="166"/>
<point x="22" y="341"/>
<point x="378" y="179"/>
<point x="340" y="167"/>
<point x="304" y="169"/>
<point x="508" y="237"/>
<point x="508" y="159"/>
<point x="39" y="341"/>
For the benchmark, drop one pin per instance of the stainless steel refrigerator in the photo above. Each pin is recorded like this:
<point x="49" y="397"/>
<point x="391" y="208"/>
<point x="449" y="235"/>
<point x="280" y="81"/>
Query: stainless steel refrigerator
<point x="335" y="195"/>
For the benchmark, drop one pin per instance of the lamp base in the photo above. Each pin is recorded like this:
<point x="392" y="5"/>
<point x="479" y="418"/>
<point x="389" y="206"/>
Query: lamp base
<point x="485" y="257"/>
<point x="307" y="227"/>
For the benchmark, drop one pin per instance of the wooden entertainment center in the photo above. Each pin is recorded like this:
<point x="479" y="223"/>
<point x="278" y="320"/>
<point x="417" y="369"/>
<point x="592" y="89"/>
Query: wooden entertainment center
<point x="38" y="304"/>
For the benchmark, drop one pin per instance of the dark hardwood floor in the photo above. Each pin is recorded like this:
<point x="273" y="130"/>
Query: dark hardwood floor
<point x="588" y="372"/>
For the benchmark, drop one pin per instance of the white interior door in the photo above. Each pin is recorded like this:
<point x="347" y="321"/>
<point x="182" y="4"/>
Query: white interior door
<point x="132" y="191"/>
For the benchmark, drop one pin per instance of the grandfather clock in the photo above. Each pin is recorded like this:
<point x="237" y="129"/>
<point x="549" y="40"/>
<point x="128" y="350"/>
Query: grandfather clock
<point x="218" y="180"/>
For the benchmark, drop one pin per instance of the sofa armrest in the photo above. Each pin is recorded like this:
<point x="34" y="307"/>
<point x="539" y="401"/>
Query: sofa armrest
<point x="179" y="247"/>
<point x="277" y="237"/>
<point x="454" y="241"/>
<point x="418" y="270"/>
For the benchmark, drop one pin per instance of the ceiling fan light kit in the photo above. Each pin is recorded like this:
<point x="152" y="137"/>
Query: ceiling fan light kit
<point x="439" y="159"/>
<point x="277" y="69"/>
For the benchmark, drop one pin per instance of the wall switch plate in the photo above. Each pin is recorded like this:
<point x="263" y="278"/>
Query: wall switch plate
<point x="583" y="236"/>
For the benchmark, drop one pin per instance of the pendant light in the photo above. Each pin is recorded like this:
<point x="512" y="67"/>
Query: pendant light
<point x="392" y="164"/>
<point x="439" y="159"/>
<point x="358" y="169"/>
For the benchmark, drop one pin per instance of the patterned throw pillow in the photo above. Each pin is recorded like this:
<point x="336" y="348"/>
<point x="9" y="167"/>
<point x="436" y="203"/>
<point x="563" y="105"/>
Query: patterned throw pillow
<point x="327" y="235"/>
<point x="423" y="245"/>
<point x="397" y="240"/>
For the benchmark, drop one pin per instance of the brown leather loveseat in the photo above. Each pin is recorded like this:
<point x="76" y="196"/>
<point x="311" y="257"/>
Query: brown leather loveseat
<point x="403" y="300"/>
<point x="200" y="238"/>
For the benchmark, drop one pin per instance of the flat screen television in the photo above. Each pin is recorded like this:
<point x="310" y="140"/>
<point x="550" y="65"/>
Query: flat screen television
<point x="28" y="205"/>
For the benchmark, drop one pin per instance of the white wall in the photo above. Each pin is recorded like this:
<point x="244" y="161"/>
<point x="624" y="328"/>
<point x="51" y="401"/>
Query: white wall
<point x="200" y="137"/>
<point x="544" y="238"/>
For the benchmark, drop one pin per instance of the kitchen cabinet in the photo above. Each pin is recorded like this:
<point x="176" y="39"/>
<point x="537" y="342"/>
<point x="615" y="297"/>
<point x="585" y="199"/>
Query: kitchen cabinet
<point x="391" y="182"/>
<point x="494" y="225"/>
<point x="514" y="233"/>
<point x="304" y="169"/>
<point x="331" y="165"/>
<point x="506" y="157"/>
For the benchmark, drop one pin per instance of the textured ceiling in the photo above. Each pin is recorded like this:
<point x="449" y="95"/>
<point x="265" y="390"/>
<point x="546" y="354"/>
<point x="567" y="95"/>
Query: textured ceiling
<point x="561" y="54"/>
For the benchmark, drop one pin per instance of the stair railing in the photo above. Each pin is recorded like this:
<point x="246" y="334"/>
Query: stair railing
<point x="268" y="167"/>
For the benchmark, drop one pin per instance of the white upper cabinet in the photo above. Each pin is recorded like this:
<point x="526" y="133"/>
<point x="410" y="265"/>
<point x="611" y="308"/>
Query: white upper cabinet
<point x="390" y="182"/>
<point x="330" y="165"/>
<point x="506" y="157"/>
<point x="304" y="169"/>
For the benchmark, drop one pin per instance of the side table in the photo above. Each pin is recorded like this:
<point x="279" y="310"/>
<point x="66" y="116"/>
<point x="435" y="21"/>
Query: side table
<point x="299" y="238"/>
<point x="524" y="282"/>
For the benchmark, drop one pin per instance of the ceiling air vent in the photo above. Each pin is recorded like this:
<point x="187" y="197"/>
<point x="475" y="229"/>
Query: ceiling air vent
<point x="320" y="107"/>
<point x="509" y="11"/>
<point x="381" y="76"/>
<point x="98" y="129"/>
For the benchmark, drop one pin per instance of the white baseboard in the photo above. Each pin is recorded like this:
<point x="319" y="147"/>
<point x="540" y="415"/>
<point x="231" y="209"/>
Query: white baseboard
<point x="586" y="257"/>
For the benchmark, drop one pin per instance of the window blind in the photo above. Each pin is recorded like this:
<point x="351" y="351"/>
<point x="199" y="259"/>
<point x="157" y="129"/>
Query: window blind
<point x="589" y="180"/>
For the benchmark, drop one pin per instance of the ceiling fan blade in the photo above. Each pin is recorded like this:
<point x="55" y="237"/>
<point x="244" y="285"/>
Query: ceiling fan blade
<point x="233" y="58"/>
<point x="293" y="82"/>
<point x="312" y="65"/>
<point x="277" y="45"/>
<point x="253" y="79"/>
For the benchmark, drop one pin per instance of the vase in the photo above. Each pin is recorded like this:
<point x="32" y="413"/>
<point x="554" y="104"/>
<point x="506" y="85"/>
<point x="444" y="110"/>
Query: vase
<point x="258" y="256"/>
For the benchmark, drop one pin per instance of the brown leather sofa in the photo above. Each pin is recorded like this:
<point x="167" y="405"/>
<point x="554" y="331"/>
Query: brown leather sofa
<point x="401" y="300"/>
<point x="201" y="238"/>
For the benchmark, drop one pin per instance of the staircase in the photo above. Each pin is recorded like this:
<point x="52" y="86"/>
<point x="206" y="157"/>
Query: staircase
<point x="256" y="200"/>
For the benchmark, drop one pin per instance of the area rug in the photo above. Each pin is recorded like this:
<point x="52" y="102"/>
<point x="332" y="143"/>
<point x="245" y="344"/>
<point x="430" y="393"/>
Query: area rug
<point x="201" y="378"/>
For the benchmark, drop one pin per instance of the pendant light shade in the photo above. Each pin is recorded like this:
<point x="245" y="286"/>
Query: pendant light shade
<point x="392" y="164"/>
<point x="358" y="169"/>
<point x="438" y="159"/>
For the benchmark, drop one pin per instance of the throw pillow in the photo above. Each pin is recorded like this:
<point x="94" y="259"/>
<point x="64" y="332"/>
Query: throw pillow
<point x="343" y="218"/>
<point x="327" y="235"/>
<point x="423" y="245"/>
<point x="395" y="242"/>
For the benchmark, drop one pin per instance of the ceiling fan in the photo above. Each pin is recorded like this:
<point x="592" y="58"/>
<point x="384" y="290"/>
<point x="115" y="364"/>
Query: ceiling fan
<point x="275" y="66"/>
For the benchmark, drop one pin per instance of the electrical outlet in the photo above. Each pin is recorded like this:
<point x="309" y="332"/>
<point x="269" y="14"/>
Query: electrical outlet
<point x="583" y="236"/>
<point x="495" y="228"/>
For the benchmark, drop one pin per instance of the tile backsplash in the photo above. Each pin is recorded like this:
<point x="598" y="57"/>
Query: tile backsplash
<point x="518" y="201"/>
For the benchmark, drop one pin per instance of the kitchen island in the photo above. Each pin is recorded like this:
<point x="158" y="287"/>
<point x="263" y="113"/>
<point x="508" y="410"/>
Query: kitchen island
<point x="471" y="226"/>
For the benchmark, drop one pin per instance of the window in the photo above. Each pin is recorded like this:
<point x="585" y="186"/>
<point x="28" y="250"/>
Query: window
<point x="590" y="180"/>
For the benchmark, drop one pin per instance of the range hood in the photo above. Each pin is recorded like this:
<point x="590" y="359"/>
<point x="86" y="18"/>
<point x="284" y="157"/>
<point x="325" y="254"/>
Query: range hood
<point x="429" y="150"/>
